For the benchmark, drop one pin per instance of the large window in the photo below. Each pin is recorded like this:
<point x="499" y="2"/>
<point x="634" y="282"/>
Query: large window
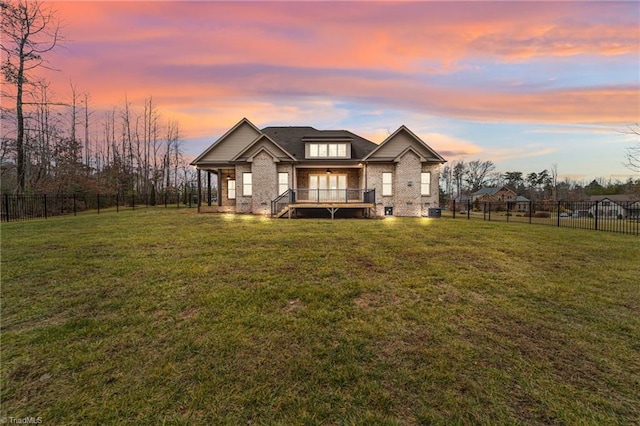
<point x="328" y="150"/>
<point x="247" y="185"/>
<point x="387" y="184"/>
<point x="283" y="182"/>
<point x="425" y="183"/>
<point x="231" y="189"/>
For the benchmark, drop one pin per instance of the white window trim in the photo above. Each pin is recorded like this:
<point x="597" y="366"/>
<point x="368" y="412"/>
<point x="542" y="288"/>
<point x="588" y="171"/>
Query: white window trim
<point x="283" y="184"/>
<point x="425" y="187"/>
<point x="247" y="185"/>
<point x="328" y="150"/>
<point x="387" y="187"/>
<point x="231" y="189"/>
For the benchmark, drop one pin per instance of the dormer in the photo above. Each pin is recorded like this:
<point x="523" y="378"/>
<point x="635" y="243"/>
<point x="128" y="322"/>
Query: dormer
<point x="327" y="147"/>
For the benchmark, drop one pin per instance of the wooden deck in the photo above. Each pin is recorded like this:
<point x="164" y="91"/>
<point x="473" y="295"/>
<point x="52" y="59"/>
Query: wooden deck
<point x="332" y="207"/>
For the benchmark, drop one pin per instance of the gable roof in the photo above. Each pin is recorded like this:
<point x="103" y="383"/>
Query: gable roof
<point x="221" y="139"/>
<point x="413" y="136"/>
<point x="259" y="139"/>
<point x="292" y="139"/>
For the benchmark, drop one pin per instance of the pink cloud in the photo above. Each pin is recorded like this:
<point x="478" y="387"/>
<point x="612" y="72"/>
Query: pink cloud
<point x="211" y="62"/>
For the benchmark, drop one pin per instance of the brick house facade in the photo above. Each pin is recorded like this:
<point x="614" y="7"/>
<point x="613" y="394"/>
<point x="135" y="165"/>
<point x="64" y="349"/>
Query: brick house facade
<point x="285" y="171"/>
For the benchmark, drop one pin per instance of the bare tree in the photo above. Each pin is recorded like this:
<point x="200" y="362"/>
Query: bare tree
<point x="632" y="152"/>
<point x="459" y="170"/>
<point x="478" y="172"/>
<point x="29" y="30"/>
<point x="554" y="181"/>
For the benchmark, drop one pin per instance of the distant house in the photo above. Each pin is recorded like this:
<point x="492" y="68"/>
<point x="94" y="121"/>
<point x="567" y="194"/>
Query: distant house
<point x="296" y="170"/>
<point x="493" y="194"/>
<point x="614" y="206"/>
<point x="502" y="194"/>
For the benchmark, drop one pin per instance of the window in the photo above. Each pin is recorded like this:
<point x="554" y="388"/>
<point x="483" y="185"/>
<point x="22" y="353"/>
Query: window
<point x="283" y="183"/>
<point x="247" y="187"/>
<point x="387" y="184"/>
<point x="425" y="183"/>
<point x="231" y="189"/>
<point x="328" y="150"/>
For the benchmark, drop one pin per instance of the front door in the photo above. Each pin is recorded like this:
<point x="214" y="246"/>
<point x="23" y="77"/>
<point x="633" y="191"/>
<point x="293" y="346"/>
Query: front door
<point x="328" y="188"/>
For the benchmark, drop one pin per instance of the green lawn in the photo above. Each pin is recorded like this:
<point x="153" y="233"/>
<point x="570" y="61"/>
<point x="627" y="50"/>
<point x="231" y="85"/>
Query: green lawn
<point x="160" y="315"/>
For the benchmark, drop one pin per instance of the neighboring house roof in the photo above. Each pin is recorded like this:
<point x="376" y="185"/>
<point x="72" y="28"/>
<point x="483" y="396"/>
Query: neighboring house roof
<point x="490" y="190"/>
<point x="292" y="139"/>
<point x="612" y="198"/>
<point x="521" y="199"/>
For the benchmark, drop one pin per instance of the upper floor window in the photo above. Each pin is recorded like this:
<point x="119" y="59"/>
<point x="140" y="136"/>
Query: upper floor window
<point x="327" y="150"/>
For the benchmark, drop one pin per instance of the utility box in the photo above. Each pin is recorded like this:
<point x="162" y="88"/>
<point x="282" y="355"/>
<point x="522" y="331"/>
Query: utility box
<point x="388" y="210"/>
<point x="435" y="212"/>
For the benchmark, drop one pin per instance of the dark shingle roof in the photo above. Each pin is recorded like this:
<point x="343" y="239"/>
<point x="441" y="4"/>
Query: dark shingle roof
<point x="291" y="139"/>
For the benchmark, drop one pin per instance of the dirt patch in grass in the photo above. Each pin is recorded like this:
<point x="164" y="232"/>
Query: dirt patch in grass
<point x="369" y="300"/>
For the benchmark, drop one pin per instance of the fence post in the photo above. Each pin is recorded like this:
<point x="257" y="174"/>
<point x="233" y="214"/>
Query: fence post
<point x="74" y="205"/>
<point x="596" y="217"/>
<point x="6" y="207"/>
<point x="98" y="200"/>
<point x="133" y="201"/>
<point x="530" y="211"/>
<point x="558" y="206"/>
<point x="454" y="208"/>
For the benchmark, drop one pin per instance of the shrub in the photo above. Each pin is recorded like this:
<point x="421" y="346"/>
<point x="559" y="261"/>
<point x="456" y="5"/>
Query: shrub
<point x="542" y="214"/>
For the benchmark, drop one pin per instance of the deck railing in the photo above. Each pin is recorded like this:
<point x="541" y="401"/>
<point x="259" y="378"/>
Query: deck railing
<point x="319" y="196"/>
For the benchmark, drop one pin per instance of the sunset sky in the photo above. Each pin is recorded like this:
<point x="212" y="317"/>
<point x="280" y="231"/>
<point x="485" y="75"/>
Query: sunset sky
<point x="524" y="84"/>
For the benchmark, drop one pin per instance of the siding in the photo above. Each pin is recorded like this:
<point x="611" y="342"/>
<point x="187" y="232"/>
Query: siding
<point x="268" y="145"/>
<point x="394" y="147"/>
<point x="227" y="148"/>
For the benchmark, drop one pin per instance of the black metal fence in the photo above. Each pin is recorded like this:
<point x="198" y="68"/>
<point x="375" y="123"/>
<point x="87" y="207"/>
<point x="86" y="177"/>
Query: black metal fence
<point x="610" y="216"/>
<point x="42" y="206"/>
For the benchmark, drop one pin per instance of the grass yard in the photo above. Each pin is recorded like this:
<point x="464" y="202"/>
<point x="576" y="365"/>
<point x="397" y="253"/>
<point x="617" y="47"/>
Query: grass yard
<point x="167" y="316"/>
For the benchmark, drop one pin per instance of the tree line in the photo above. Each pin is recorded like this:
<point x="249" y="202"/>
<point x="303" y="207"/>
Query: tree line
<point x="460" y="179"/>
<point x="63" y="146"/>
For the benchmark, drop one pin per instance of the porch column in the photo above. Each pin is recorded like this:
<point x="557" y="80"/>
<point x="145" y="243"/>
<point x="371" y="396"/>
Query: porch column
<point x="209" y="188"/>
<point x="219" y="183"/>
<point x="199" y="189"/>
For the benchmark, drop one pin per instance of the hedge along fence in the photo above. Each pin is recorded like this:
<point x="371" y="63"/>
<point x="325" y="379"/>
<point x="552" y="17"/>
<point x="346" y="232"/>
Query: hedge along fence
<point x="622" y="217"/>
<point x="42" y="206"/>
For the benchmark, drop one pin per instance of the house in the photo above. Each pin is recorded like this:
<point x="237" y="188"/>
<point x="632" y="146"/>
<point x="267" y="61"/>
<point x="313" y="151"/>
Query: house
<point x="296" y="171"/>
<point x="614" y="206"/>
<point x="501" y="195"/>
<point x="491" y="194"/>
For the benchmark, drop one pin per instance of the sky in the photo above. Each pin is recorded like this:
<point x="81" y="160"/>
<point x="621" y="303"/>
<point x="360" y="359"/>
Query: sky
<point x="524" y="84"/>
